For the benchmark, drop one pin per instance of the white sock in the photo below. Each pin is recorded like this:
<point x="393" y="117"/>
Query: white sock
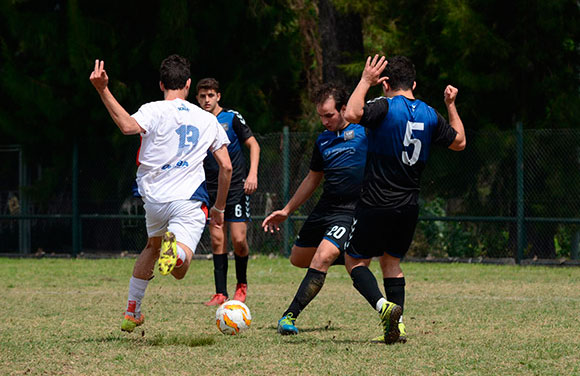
<point x="380" y="304"/>
<point x="181" y="255"/>
<point x="137" y="289"/>
<point x="401" y="318"/>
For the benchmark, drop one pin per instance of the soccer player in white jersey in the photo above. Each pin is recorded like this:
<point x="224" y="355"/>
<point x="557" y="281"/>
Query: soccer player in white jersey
<point x="175" y="138"/>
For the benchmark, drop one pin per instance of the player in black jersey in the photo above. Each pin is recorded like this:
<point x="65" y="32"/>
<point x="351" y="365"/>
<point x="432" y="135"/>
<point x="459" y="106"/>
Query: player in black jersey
<point x="401" y="130"/>
<point x="339" y="157"/>
<point x="243" y="184"/>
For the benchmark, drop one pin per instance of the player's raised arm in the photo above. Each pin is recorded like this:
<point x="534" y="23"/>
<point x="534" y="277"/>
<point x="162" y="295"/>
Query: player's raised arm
<point x="371" y="76"/>
<point x="100" y="81"/>
<point x="251" y="183"/>
<point x="303" y="193"/>
<point x="225" y="175"/>
<point x="449" y="95"/>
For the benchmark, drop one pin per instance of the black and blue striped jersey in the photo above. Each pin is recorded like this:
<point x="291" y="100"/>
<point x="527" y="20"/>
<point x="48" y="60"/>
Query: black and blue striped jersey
<point x="400" y="134"/>
<point x="341" y="156"/>
<point x="238" y="132"/>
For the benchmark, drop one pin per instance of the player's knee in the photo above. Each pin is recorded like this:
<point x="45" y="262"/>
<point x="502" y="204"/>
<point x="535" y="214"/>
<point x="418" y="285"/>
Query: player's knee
<point x="240" y="246"/>
<point x="325" y="259"/>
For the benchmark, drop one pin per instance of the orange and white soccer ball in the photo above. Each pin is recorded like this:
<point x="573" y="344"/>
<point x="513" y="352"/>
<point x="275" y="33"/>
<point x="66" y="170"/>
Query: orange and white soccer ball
<point x="233" y="317"/>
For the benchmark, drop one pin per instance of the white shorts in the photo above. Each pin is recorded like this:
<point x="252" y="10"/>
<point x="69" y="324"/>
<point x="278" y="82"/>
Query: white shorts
<point x="184" y="218"/>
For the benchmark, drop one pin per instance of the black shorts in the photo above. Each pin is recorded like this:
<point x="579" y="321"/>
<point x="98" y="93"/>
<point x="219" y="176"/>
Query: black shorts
<point x="319" y="225"/>
<point x="376" y="231"/>
<point x="237" y="206"/>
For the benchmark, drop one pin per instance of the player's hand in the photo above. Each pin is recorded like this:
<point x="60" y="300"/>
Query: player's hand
<point x="373" y="69"/>
<point x="251" y="184"/>
<point x="216" y="218"/>
<point x="450" y="94"/>
<point x="99" y="77"/>
<point x="272" y="222"/>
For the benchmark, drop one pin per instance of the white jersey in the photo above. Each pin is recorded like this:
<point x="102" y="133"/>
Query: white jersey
<point x="177" y="136"/>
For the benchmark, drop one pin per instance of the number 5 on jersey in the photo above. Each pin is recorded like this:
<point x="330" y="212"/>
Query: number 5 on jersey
<point x="411" y="126"/>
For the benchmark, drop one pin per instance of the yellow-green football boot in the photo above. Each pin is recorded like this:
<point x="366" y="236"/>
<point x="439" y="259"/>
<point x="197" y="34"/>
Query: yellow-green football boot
<point x="130" y="322"/>
<point x="168" y="254"/>
<point x="402" y="336"/>
<point x="390" y="314"/>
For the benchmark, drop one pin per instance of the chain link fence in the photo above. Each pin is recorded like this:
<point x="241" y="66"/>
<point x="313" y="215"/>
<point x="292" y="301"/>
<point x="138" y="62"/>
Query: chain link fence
<point x="508" y="195"/>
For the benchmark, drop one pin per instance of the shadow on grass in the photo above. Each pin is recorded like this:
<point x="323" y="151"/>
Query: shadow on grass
<point x="298" y="339"/>
<point x="327" y="328"/>
<point x="157" y="340"/>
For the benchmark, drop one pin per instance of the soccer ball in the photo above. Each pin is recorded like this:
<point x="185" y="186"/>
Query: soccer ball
<point x="233" y="317"/>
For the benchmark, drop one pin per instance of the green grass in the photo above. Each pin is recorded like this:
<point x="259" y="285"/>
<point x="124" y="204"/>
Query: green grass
<point x="62" y="317"/>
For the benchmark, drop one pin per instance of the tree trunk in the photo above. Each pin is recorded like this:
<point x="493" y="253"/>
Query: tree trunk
<point x="306" y="12"/>
<point x="341" y="41"/>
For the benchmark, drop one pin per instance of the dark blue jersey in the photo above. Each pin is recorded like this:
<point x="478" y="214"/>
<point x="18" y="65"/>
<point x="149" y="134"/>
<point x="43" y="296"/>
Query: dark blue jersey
<point x="238" y="132"/>
<point x="341" y="156"/>
<point x="401" y="132"/>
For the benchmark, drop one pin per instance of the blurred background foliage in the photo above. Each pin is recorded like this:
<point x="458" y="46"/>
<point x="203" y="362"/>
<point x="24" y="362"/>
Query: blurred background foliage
<point x="515" y="61"/>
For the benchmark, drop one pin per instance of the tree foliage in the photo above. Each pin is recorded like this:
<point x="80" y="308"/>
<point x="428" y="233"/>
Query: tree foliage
<point x="512" y="61"/>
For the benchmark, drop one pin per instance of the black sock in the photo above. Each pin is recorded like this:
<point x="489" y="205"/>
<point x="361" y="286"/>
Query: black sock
<point x="309" y="288"/>
<point x="241" y="268"/>
<point x="339" y="260"/>
<point x="220" y="273"/>
<point x="365" y="282"/>
<point x="395" y="290"/>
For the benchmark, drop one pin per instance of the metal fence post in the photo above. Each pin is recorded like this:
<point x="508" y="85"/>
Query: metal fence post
<point x="76" y="218"/>
<point x="286" y="183"/>
<point x="520" y="192"/>
<point x="24" y="241"/>
<point x="575" y="245"/>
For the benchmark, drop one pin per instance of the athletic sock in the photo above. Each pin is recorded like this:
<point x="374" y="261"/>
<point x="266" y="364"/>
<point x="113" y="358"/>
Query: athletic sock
<point x="365" y="282"/>
<point x="220" y="273"/>
<point x="181" y="256"/>
<point x="395" y="290"/>
<point x="137" y="289"/>
<point x="380" y="303"/>
<point x="241" y="268"/>
<point x="309" y="288"/>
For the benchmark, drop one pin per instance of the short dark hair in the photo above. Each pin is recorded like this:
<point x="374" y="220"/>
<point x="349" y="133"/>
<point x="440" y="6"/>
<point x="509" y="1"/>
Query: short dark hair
<point x="174" y="72"/>
<point x="208" y="83"/>
<point x="401" y="73"/>
<point x="328" y="90"/>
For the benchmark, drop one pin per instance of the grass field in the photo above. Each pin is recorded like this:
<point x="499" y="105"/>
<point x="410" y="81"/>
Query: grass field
<point x="62" y="317"/>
